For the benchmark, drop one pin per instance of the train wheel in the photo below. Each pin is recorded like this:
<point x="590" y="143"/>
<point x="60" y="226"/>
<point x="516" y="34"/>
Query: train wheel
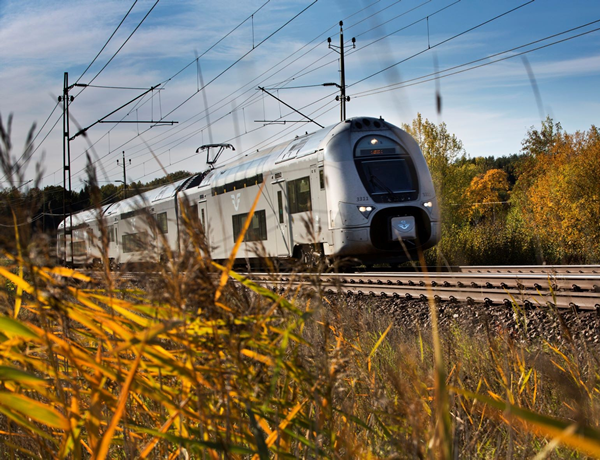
<point x="311" y="256"/>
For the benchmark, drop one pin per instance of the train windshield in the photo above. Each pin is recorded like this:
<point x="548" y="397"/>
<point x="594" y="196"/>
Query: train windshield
<point x="386" y="170"/>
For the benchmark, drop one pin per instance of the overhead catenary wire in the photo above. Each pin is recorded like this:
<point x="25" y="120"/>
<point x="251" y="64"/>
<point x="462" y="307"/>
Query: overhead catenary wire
<point x="225" y="115"/>
<point x="512" y="49"/>
<point x="32" y="143"/>
<point x="164" y="82"/>
<point x="251" y="131"/>
<point x="229" y="67"/>
<point x="193" y="61"/>
<point x="94" y="60"/>
<point x="393" y="18"/>
<point x="122" y="45"/>
<point x="278" y="135"/>
<point x="361" y="48"/>
<point x="554" y="35"/>
<point x="321" y="34"/>
<point x="443" y="42"/>
<point x="438" y="74"/>
<point x="107" y="42"/>
<point x="221" y="73"/>
<point x="240" y="59"/>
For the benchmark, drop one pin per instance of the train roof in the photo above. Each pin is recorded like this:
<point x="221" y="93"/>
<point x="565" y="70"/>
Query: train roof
<point x="84" y="217"/>
<point x="255" y="163"/>
<point x="268" y="158"/>
<point x="131" y="204"/>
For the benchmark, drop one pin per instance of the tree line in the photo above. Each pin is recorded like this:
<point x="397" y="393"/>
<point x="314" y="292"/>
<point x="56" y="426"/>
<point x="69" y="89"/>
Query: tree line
<point x="541" y="205"/>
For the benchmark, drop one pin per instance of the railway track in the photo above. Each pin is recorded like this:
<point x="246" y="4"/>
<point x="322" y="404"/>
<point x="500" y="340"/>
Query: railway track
<point x="575" y="287"/>
<point x="563" y="286"/>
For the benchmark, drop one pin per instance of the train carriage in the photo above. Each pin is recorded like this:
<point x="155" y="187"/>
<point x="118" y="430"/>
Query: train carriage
<point x="359" y="189"/>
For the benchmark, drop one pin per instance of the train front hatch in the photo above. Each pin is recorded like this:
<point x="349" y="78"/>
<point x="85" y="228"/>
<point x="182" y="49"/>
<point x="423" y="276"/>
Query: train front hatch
<point x="403" y="228"/>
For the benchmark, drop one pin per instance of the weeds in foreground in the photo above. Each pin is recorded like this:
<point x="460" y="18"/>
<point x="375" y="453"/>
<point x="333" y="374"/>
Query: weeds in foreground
<point x="165" y="370"/>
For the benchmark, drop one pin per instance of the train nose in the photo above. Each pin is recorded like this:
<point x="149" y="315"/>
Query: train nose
<point x="403" y="228"/>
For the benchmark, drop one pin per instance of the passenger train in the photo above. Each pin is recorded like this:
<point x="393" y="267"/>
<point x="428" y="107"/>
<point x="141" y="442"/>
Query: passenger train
<point x="359" y="189"/>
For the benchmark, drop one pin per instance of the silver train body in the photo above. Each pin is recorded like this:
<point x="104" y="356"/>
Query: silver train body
<point x="359" y="189"/>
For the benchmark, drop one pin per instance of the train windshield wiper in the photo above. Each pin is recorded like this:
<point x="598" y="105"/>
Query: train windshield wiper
<point x="378" y="182"/>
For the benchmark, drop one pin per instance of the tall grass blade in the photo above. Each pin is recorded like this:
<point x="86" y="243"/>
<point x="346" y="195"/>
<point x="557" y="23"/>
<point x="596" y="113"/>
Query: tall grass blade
<point x="108" y="434"/>
<point x="40" y="412"/>
<point x="377" y="344"/>
<point x="13" y="327"/>
<point x="583" y="438"/>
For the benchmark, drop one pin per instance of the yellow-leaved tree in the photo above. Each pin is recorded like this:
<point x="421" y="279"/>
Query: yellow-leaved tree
<point x="562" y="200"/>
<point x="486" y="193"/>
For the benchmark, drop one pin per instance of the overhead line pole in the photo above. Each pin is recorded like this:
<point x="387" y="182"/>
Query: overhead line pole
<point x="66" y="100"/>
<point x="124" y="175"/>
<point x="340" y="50"/>
<point x="66" y="168"/>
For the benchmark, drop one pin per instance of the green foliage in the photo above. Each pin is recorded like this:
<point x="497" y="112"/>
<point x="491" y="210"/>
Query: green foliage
<point x="559" y="193"/>
<point x="169" y="178"/>
<point x="539" y="206"/>
<point x="441" y="150"/>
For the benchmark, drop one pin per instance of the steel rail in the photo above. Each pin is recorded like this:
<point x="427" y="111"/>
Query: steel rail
<point x="549" y="269"/>
<point x="536" y="281"/>
<point x="561" y="291"/>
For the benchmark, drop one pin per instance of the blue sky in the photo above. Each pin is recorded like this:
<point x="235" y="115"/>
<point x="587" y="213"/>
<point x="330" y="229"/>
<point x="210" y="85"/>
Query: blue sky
<point x="281" y="44"/>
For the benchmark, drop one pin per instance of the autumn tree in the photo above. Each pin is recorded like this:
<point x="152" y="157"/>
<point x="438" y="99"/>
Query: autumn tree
<point x="442" y="151"/>
<point x="485" y="192"/>
<point x="562" y="200"/>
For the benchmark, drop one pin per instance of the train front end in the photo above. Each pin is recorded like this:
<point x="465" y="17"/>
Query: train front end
<point x="381" y="200"/>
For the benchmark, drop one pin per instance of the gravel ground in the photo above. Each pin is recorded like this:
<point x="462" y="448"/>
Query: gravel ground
<point x="526" y="324"/>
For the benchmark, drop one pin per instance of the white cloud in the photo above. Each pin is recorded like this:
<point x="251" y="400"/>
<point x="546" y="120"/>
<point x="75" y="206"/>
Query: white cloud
<point x="489" y="108"/>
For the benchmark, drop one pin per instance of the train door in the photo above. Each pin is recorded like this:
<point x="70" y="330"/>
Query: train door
<point x="319" y="205"/>
<point x="113" y="240"/>
<point x="283" y="229"/>
<point x="114" y="244"/>
<point x="203" y="219"/>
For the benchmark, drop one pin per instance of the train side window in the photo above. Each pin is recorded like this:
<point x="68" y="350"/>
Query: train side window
<point x="202" y="219"/>
<point x="162" y="222"/>
<point x="111" y="235"/>
<point x="257" y="231"/>
<point x="299" y="195"/>
<point x="79" y="248"/>
<point x="321" y="178"/>
<point x="280" y="205"/>
<point x="133" y="242"/>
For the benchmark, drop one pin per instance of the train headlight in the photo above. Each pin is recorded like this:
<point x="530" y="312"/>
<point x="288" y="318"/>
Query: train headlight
<point x="428" y="204"/>
<point x="366" y="210"/>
